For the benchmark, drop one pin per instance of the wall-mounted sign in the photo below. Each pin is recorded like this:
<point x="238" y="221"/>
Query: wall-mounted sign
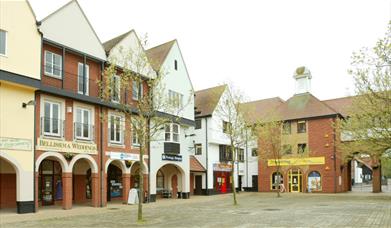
<point x="15" y="144"/>
<point x="171" y="157"/>
<point x="297" y="161"/>
<point x="66" y="146"/>
<point x="222" y="167"/>
<point x="123" y="156"/>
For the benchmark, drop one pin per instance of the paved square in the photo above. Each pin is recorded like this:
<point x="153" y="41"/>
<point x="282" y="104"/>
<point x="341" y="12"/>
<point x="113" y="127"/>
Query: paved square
<point x="254" y="210"/>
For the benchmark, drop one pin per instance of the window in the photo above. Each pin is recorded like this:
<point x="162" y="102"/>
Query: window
<point x="301" y="127"/>
<point x="286" y="149"/>
<point x="83" y="128"/>
<point x="314" y="181"/>
<point x="136" y="89"/>
<point x="53" y="64"/>
<point x="241" y="155"/>
<point x="135" y="141"/>
<point x="115" y="129"/>
<point x="171" y="133"/>
<point x="3" y="42"/>
<point x="83" y="82"/>
<point x="175" y="65"/>
<point x="115" y="92"/>
<point x="301" y="148"/>
<point x="198" y="149"/>
<point x="276" y="180"/>
<point x="226" y="126"/>
<point x="254" y="152"/>
<point x="51" y="119"/>
<point x="198" y="124"/>
<point x="175" y="99"/>
<point x="159" y="180"/>
<point x="286" y="128"/>
<point x="225" y="153"/>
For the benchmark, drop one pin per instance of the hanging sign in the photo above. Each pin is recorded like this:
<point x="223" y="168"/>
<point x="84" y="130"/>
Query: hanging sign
<point x="172" y="157"/>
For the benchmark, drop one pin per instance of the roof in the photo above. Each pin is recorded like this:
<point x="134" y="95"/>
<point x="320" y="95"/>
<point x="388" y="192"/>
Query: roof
<point x="206" y="100"/>
<point x="304" y="105"/>
<point x="195" y="165"/>
<point x="256" y="110"/>
<point x="341" y="105"/>
<point x="157" y="55"/>
<point x="110" y="44"/>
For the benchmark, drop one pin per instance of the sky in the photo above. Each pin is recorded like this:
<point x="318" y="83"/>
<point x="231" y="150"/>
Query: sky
<point x="253" y="45"/>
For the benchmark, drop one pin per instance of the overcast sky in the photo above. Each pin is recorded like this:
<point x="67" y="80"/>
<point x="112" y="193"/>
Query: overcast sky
<point x="255" y="45"/>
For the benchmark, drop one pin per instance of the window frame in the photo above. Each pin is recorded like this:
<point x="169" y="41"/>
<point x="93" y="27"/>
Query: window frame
<point x="285" y="131"/>
<point x="226" y="126"/>
<point x="240" y="153"/>
<point x="320" y="180"/>
<point x="175" y="99"/>
<point x="5" y="43"/>
<point x="136" y="85"/>
<point x="50" y="133"/>
<point x="198" y="124"/>
<point x="120" y="125"/>
<point x="305" y="126"/>
<point x="116" y="83"/>
<point x="299" y="151"/>
<point x="196" y="147"/>
<point x="175" y="64"/>
<point x="87" y="79"/>
<point x="171" y="132"/>
<point x="256" y="152"/>
<point x="135" y="141"/>
<point x="51" y="74"/>
<point x="89" y="124"/>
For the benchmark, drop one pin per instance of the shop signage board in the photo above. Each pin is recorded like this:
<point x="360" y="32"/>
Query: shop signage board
<point x="15" y="144"/>
<point x="123" y="156"/>
<point x="298" y="161"/>
<point x="171" y="157"/>
<point x="66" y="146"/>
<point x="222" y="167"/>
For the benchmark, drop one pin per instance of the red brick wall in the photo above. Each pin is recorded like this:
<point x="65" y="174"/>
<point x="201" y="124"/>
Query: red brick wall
<point x="7" y="190"/>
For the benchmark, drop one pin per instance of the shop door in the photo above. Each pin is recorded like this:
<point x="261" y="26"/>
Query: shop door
<point x="174" y="185"/>
<point x="295" y="180"/>
<point x="240" y="182"/>
<point x="47" y="190"/>
<point x="223" y="183"/>
<point x="255" y="182"/>
<point x="198" y="185"/>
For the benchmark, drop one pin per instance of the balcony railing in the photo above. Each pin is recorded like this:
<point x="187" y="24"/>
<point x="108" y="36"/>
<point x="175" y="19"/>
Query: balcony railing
<point x="84" y="131"/>
<point x="116" y="136"/>
<point x="52" y="127"/>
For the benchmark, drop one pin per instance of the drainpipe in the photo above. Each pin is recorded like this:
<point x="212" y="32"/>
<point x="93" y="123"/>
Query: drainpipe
<point x="206" y="152"/>
<point x="149" y="163"/>
<point x="63" y="68"/>
<point x="34" y="143"/>
<point x="84" y="74"/>
<point x="246" y="159"/>
<point x="101" y="146"/>
<point x="335" y="161"/>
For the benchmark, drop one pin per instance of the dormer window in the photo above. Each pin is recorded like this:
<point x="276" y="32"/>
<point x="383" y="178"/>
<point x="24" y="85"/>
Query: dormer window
<point x="175" y="64"/>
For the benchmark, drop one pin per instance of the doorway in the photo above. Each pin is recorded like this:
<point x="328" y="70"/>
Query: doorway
<point x="295" y="180"/>
<point x="174" y="186"/>
<point x="198" y="185"/>
<point x="255" y="183"/>
<point x="50" y="182"/>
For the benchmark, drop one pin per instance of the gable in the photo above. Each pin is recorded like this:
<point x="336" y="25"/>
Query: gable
<point x="70" y="27"/>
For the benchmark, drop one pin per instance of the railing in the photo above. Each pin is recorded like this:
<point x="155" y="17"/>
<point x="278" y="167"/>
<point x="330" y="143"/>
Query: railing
<point x="116" y="136"/>
<point x="52" y="127"/>
<point x="83" y="131"/>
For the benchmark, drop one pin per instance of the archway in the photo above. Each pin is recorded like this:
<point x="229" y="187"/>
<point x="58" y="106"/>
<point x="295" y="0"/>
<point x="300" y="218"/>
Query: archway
<point x="170" y="181"/>
<point x="115" y="189"/>
<point x="8" y="184"/>
<point x="135" y="175"/>
<point x="84" y="181"/>
<point x="50" y="183"/>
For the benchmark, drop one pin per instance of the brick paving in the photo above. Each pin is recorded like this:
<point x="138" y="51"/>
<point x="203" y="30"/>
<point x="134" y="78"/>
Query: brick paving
<point x="254" y="210"/>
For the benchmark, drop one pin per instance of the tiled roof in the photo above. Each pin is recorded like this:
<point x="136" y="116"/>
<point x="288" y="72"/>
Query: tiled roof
<point x="206" y="100"/>
<point x="108" y="45"/>
<point x="256" y="110"/>
<point x="195" y="165"/>
<point x="158" y="54"/>
<point x="341" y="105"/>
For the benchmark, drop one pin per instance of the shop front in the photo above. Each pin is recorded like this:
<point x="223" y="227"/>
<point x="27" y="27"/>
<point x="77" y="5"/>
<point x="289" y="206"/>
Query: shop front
<point x="222" y="177"/>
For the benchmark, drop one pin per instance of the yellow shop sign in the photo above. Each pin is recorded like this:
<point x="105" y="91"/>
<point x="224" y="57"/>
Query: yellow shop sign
<point x="66" y="146"/>
<point x="297" y="161"/>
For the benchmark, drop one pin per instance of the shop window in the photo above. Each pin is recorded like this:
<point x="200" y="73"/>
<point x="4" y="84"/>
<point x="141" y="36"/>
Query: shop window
<point x="53" y="64"/>
<point x="114" y="176"/>
<point x="83" y="82"/>
<point x="254" y="152"/>
<point x="314" y="181"/>
<point x="276" y="179"/>
<point x="301" y="148"/>
<point x="198" y="124"/>
<point x="198" y="149"/>
<point x="241" y="155"/>
<point x="286" y="149"/>
<point x="301" y="127"/>
<point x="286" y="128"/>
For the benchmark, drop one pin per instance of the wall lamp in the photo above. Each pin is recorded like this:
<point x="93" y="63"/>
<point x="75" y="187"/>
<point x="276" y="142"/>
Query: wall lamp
<point x="24" y="105"/>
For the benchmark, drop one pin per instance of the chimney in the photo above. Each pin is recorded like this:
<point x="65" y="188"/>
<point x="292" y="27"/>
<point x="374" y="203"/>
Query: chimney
<point x="303" y="76"/>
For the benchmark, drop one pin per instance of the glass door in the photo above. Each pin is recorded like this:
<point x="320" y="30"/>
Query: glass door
<point x="295" y="180"/>
<point x="47" y="190"/>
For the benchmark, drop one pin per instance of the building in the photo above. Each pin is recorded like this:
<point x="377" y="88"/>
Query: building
<point x="310" y="159"/>
<point x="20" y="49"/>
<point x="169" y="170"/>
<point x="212" y="147"/>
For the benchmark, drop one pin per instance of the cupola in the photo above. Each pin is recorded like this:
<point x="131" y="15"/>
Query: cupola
<point x="303" y="76"/>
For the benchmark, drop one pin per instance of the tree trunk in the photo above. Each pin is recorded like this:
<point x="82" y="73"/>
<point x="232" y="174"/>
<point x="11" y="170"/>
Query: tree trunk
<point x="141" y="187"/>
<point x="232" y="175"/>
<point x="278" y="182"/>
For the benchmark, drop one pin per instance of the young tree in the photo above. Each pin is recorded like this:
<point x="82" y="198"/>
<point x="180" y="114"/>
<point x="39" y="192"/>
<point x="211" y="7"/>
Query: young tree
<point x="367" y="130"/>
<point x="146" y="118"/>
<point x="232" y="112"/>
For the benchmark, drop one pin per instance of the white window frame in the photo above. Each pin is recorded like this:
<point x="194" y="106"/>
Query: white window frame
<point x="135" y="141"/>
<point x="59" y="126"/>
<point x="52" y="66"/>
<point x="116" y="87"/>
<point x="196" y="147"/>
<point x="87" y="79"/>
<point x="120" y="141"/>
<point x="5" y="42"/>
<point x="89" y="124"/>
<point x="135" y="90"/>
<point x="175" y="99"/>
<point x="172" y="133"/>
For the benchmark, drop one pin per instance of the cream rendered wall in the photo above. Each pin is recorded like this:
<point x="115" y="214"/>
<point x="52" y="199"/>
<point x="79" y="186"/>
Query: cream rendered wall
<point x="18" y="122"/>
<point x="23" y="42"/>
